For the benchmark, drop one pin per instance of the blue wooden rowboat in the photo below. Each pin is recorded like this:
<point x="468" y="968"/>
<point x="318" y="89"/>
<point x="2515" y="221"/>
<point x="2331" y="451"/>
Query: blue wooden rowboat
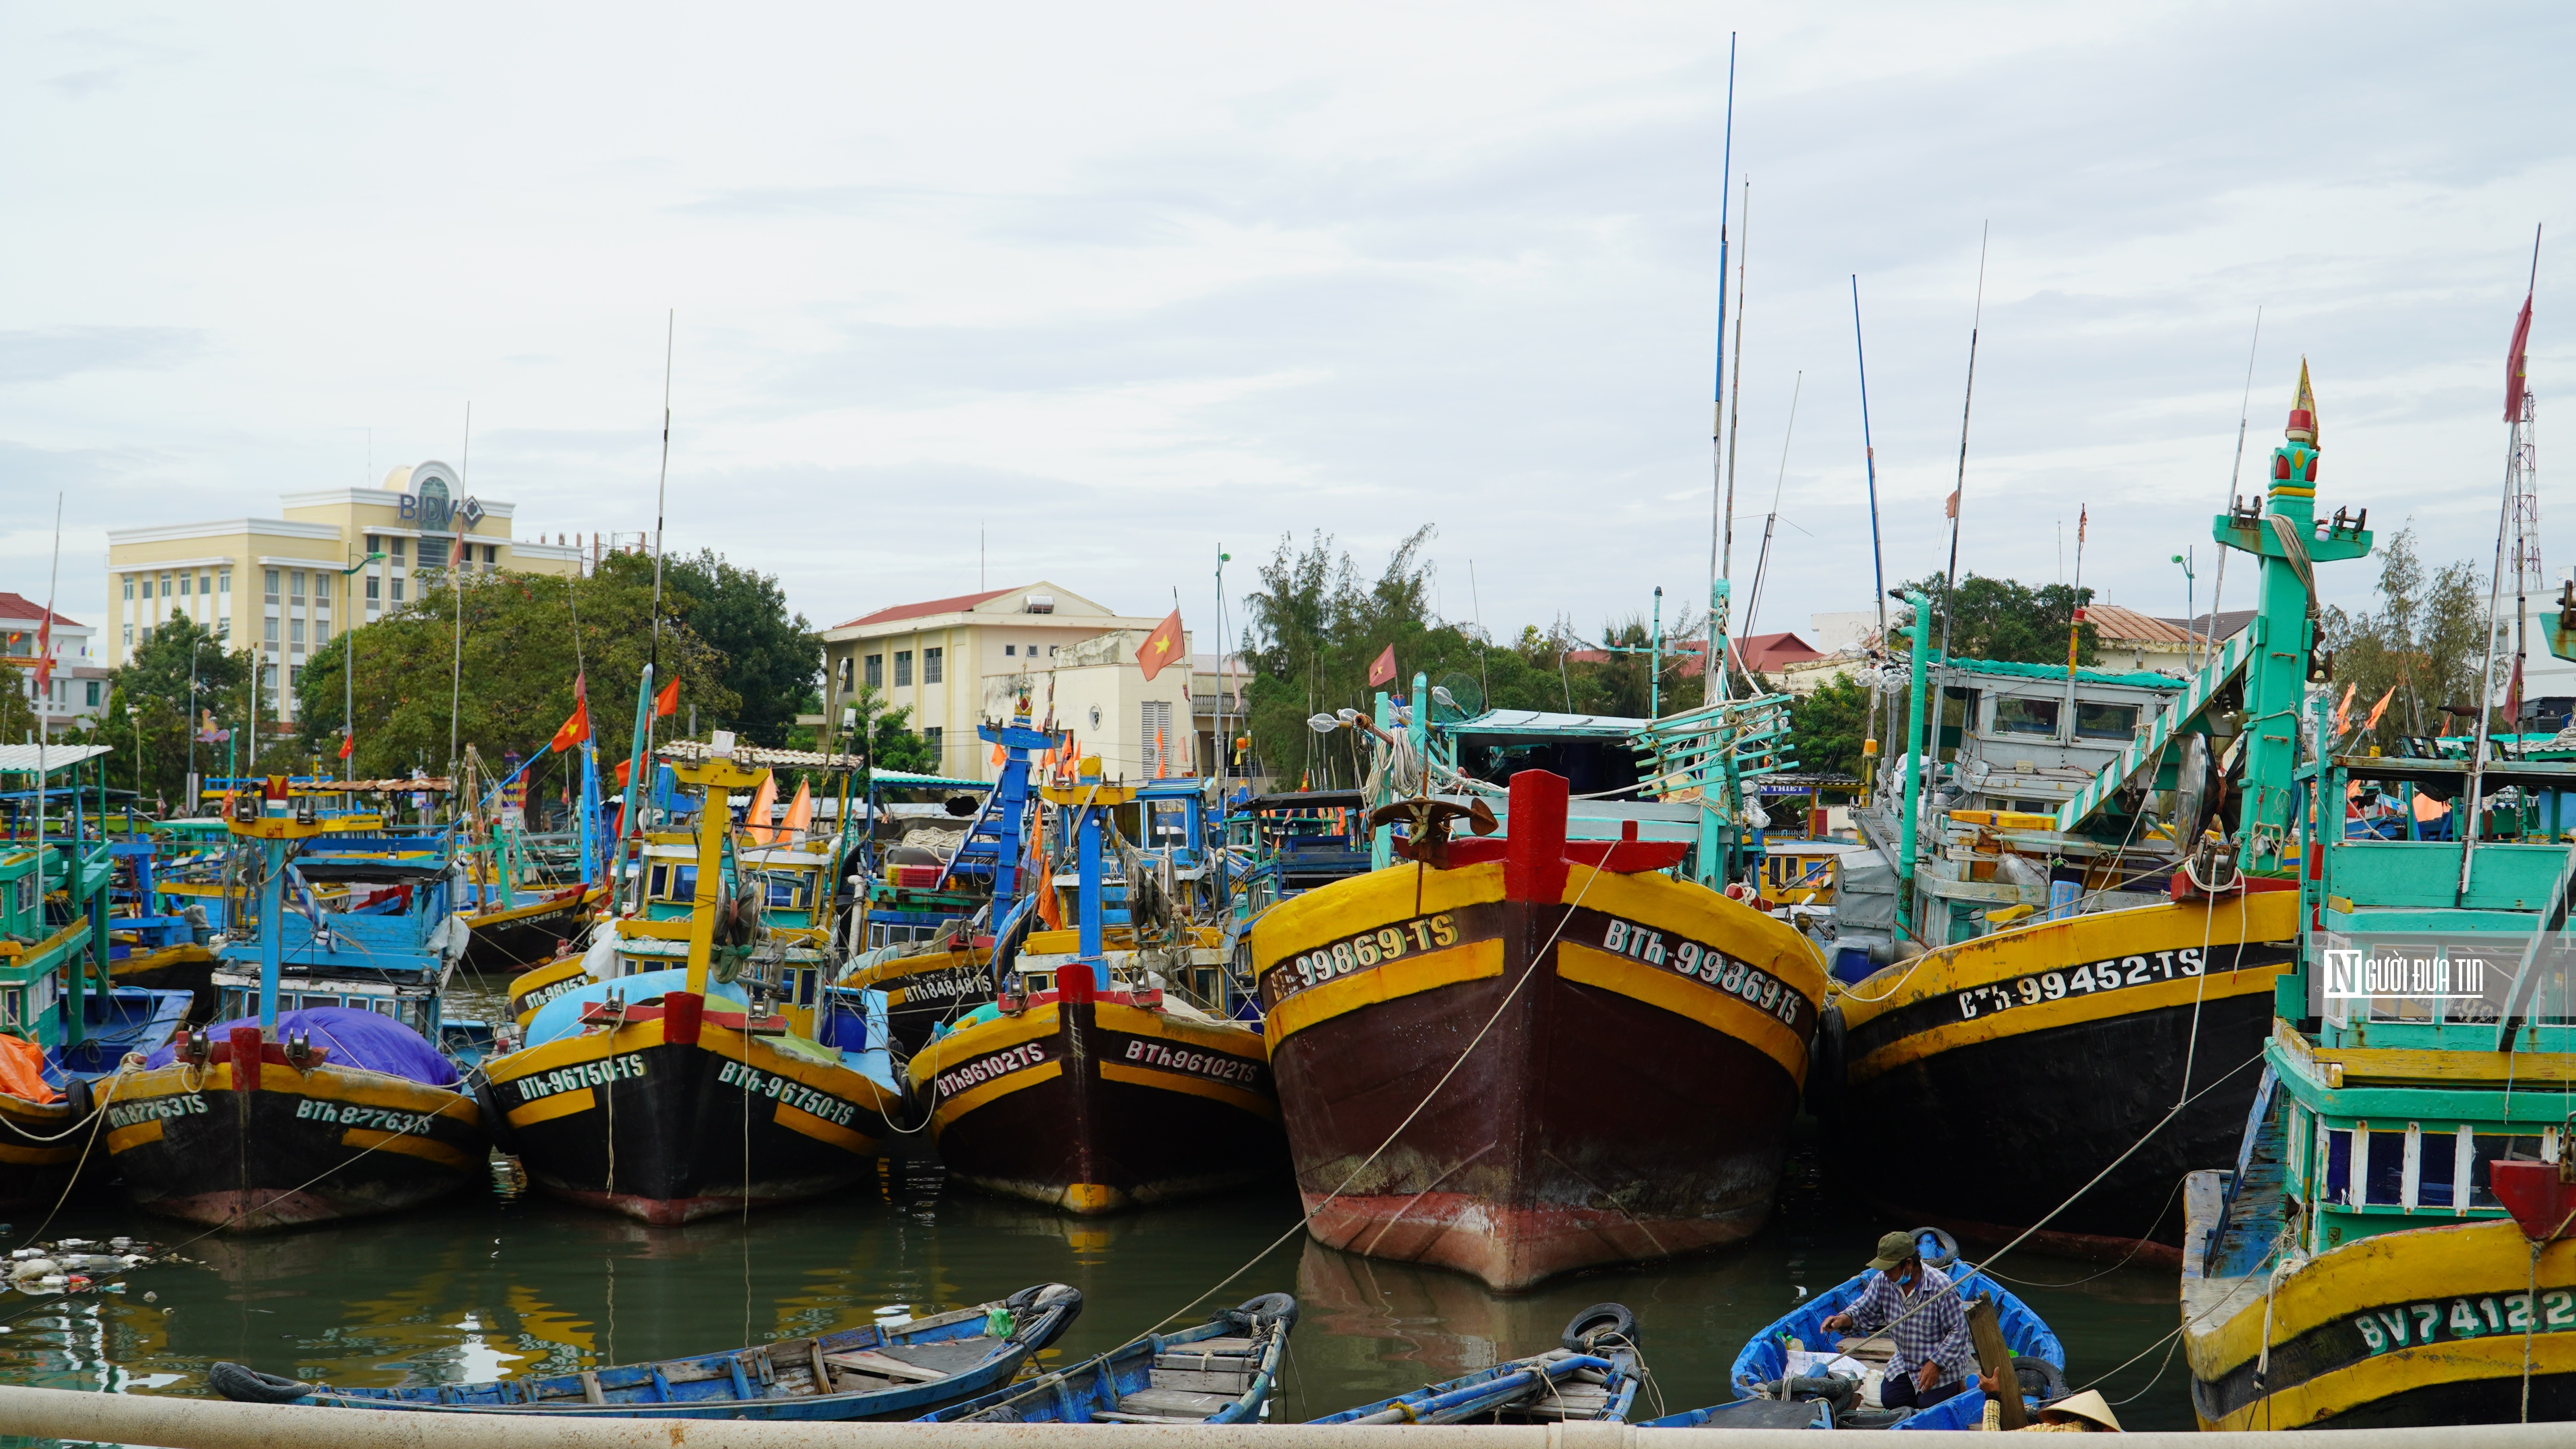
<point x="864" y="1373"/>
<point x="1591" y="1377"/>
<point x="1217" y="1373"/>
<point x="1761" y="1369"/>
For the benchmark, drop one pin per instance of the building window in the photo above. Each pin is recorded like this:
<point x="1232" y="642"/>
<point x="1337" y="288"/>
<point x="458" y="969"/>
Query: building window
<point x="295" y="677"/>
<point x="321" y="632"/>
<point x="373" y="545"/>
<point x="322" y="589"/>
<point x="845" y="673"/>
<point x="147" y="633"/>
<point x="902" y="668"/>
<point x="93" y="693"/>
<point x="224" y="580"/>
<point x="129" y="636"/>
<point x="295" y="586"/>
<point x="932" y="736"/>
<point x="491" y="556"/>
<point x="373" y="584"/>
<point x="184" y="581"/>
<point x="295" y="634"/>
<point x="1157" y="738"/>
<point x="876" y="671"/>
<point x="223" y="626"/>
<point x="394" y="551"/>
<point x="934" y="665"/>
<point x="129" y="588"/>
<point x="1010" y="651"/>
<point x="398" y="586"/>
<point x="271" y="635"/>
<point x="268" y="680"/>
<point x="272" y="586"/>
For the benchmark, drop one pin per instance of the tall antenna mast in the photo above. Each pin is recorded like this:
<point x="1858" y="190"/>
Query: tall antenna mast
<point x="1869" y="455"/>
<point x="1735" y="402"/>
<point x="2235" y="476"/>
<point x="2520" y="468"/>
<point x="1959" y="490"/>
<point x="1712" y="677"/>
<point x="456" y="588"/>
<point x="661" y="498"/>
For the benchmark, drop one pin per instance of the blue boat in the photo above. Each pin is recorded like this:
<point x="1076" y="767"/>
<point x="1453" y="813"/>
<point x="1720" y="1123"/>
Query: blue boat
<point x="1591" y="1377"/>
<point x="1766" y="1397"/>
<point x="1217" y="1373"/>
<point x="878" y="1372"/>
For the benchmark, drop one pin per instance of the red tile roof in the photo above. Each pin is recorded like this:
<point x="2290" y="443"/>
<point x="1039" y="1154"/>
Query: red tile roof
<point x="957" y="605"/>
<point x="1764" y="652"/>
<point x="15" y="606"/>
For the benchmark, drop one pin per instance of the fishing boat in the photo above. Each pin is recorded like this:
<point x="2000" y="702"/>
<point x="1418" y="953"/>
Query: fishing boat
<point x="1781" y="1383"/>
<point x="1220" y="1372"/>
<point x="929" y="931"/>
<point x="2391" y="1245"/>
<point x="707" y="1068"/>
<point x="156" y="941"/>
<point x="322" y="1095"/>
<point x="64" y="1029"/>
<point x="1454" y="1035"/>
<point x="884" y="1371"/>
<point x="520" y="907"/>
<point x="2132" y="1025"/>
<point x="1104" y="1092"/>
<point x="1590" y="1377"/>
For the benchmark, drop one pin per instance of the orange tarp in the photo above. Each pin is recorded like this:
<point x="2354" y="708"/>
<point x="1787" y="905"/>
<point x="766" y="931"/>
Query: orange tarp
<point x="22" y="1071"/>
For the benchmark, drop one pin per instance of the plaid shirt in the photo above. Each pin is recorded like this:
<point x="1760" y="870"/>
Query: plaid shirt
<point x="1929" y="1324"/>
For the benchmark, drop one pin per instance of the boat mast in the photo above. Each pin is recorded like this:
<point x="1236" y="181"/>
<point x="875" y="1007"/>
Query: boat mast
<point x="2508" y="522"/>
<point x="1869" y="456"/>
<point x="1735" y="404"/>
<point x="1712" y="677"/>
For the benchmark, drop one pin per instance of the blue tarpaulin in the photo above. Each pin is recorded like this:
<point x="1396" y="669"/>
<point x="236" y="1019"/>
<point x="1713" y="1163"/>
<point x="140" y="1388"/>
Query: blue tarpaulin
<point x="355" y="1038"/>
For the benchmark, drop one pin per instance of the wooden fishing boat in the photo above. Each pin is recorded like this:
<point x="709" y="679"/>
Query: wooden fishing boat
<point x="1768" y="1372"/>
<point x="2086" y="1027"/>
<point x="304" y="1108"/>
<point x="1458" y="1041"/>
<point x="699" y="1076"/>
<point x="1096" y="1095"/>
<point x="1591" y="1377"/>
<point x="878" y="1372"/>
<point x="1220" y="1372"/>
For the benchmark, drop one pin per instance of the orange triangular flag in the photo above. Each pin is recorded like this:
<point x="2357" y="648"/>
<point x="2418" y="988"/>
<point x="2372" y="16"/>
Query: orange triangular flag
<point x="2343" y="709"/>
<point x="763" y="800"/>
<point x="2379" y="709"/>
<point x="800" y="811"/>
<point x="668" y="701"/>
<point x="1161" y="647"/>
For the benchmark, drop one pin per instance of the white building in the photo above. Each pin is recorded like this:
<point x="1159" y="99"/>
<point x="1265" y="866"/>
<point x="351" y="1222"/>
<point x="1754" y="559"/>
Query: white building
<point x="79" y="686"/>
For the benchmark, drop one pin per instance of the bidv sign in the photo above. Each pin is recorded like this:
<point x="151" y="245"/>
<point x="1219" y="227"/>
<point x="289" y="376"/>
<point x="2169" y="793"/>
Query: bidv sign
<point x="431" y="511"/>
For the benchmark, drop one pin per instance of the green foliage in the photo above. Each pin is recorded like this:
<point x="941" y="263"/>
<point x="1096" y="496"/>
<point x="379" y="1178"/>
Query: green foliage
<point x="769" y="661"/>
<point x="892" y="744"/>
<point x="519" y="659"/>
<point x="1619" y="685"/>
<point x="146" y="722"/>
<point x="1826" y="728"/>
<point x="2006" y="620"/>
<point x="2425" y="640"/>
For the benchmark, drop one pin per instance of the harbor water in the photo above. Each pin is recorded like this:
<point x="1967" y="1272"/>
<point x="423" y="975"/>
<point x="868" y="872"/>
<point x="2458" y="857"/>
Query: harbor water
<point x="507" y="1282"/>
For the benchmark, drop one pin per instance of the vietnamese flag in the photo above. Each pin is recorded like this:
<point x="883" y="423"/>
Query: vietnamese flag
<point x="348" y="743"/>
<point x="1161" y="647"/>
<point x="668" y="701"/>
<point x="2517" y="376"/>
<point x="1382" y="671"/>
<point x="575" y="729"/>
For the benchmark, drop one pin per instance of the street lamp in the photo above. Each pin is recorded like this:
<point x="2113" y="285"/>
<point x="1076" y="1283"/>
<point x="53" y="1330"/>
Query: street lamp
<point x="2190" y="629"/>
<point x="349" y="674"/>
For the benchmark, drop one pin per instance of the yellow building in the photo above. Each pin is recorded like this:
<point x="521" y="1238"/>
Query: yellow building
<point x="276" y="584"/>
<point x="958" y="661"/>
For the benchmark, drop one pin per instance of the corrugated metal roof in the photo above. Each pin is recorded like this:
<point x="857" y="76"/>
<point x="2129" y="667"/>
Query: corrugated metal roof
<point x="21" y="759"/>
<point x="2128" y="626"/>
<point x="1542" y="722"/>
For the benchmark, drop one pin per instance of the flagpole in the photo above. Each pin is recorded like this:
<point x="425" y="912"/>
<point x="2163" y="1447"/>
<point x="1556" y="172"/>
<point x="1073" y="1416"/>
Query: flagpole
<point x="1713" y="678"/>
<point x="456" y="582"/>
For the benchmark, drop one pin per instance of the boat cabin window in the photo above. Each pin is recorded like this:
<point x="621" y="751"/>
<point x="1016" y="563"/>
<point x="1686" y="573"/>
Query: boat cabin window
<point x="2019" y="716"/>
<point x="2105" y="721"/>
<point x="674" y="882"/>
<point x="791" y="889"/>
<point x="1958" y="713"/>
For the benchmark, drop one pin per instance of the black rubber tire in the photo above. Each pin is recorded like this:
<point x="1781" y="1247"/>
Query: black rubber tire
<point x="1054" y="1303"/>
<point x="1825" y="1064"/>
<point x="82" y="1097"/>
<point x="1600" y="1321"/>
<point x="245" y="1385"/>
<point x="1949" y="1253"/>
<point x="2050" y="1385"/>
<point x="1273" y="1307"/>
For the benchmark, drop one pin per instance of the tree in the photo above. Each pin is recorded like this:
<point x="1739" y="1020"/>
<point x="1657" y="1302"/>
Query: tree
<point x="2426" y="641"/>
<point x="892" y="745"/>
<point x="515" y="687"/>
<point x="156" y="699"/>
<point x="1827" y="727"/>
<point x="770" y="661"/>
<point x="2005" y="620"/>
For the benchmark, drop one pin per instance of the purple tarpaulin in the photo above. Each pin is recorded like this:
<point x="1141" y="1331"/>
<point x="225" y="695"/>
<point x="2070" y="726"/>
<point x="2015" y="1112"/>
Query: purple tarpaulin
<point x="355" y="1038"/>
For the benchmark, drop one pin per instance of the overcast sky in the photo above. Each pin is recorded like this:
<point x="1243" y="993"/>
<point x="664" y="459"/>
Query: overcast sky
<point x="1106" y="287"/>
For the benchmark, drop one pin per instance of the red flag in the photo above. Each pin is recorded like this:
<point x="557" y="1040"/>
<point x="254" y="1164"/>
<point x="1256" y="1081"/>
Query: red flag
<point x="1161" y="647"/>
<point x="2513" y="698"/>
<point x="456" y="552"/>
<point x="45" y="651"/>
<point x="348" y="743"/>
<point x="623" y="766"/>
<point x="575" y="729"/>
<point x="2516" y="378"/>
<point x="1383" y="670"/>
<point x="668" y="701"/>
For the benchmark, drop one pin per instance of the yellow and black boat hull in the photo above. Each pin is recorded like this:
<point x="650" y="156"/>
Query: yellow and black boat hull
<point x="282" y="1146"/>
<point x="2425" y="1326"/>
<point x="1095" y="1105"/>
<point x="922" y="992"/>
<point x="669" y="1122"/>
<point x="41" y="1146"/>
<point x="2007" y="1071"/>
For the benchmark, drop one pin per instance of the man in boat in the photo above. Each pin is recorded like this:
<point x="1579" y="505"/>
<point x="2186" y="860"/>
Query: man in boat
<point x="1911" y="1302"/>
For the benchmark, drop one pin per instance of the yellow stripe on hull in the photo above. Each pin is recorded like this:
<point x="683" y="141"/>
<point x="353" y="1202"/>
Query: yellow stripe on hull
<point x="1720" y="1011"/>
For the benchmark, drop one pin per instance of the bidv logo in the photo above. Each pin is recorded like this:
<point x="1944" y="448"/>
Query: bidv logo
<point x="2434" y="975"/>
<point x="431" y="510"/>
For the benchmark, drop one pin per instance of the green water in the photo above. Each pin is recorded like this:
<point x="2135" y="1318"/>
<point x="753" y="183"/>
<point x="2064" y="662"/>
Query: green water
<point x="503" y="1283"/>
